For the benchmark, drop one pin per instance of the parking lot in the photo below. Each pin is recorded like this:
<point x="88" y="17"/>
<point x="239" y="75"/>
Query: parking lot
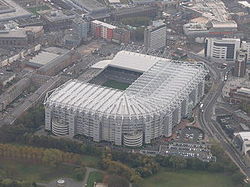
<point x="187" y="150"/>
<point x="190" y="134"/>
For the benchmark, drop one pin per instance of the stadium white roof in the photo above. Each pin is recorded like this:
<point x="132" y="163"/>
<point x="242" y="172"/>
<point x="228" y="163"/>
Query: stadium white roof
<point x="163" y="87"/>
<point x="130" y="61"/>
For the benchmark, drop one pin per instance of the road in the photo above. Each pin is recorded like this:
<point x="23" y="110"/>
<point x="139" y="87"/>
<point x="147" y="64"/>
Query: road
<point x="210" y="126"/>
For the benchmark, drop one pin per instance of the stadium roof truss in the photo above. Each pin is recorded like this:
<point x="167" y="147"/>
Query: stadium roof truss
<point x="160" y="89"/>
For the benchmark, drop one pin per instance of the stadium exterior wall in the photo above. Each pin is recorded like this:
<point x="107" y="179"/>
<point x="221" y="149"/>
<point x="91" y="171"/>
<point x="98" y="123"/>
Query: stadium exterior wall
<point x="112" y="128"/>
<point x="123" y="129"/>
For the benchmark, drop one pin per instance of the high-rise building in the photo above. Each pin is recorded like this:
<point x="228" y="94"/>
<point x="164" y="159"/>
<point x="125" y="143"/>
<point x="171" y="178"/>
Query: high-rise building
<point x="102" y="30"/>
<point x="222" y="48"/>
<point x="155" y="35"/>
<point x="81" y="28"/>
<point x="246" y="46"/>
<point x="240" y="63"/>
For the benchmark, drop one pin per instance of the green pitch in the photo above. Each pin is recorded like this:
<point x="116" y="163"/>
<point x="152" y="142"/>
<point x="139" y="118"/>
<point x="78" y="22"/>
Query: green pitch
<point x="116" y="85"/>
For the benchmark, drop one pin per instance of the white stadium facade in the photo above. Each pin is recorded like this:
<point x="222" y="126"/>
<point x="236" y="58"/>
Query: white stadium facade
<point x="150" y="107"/>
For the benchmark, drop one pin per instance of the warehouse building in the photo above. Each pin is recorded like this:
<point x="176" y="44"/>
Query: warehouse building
<point x="149" y="108"/>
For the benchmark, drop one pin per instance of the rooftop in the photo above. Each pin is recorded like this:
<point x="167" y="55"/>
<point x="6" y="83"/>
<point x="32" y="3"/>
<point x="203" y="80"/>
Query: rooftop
<point x="229" y="24"/>
<point x="163" y="86"/>
<point x="244" y="90"/>
<point x="244" y="135"/>
<point x="16" y="13"/>
<point x="244" y="3"/>
<point x="57" y="15"/>
<point x="104" y="24"/>
<point x="43" y="58"/>
<point x="46" y="56"/>
<point x="5" y="75"/>
<point x="20" y="33"/>
<point x="90" y="5"/>
<point x="130" y="61"/>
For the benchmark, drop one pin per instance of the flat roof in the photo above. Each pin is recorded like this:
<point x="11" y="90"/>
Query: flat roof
<point x="114" y="1"/>
<point x="104" y="24"/>
<point x="244" y="90"/>
<point x="244" y="135"/>
<point x="217" y="24"/>
<point x="19" y="11"/>
<point x="90" y="5"/>
<point x="130" y="61"/>
<point x="19" y="33"/>
<point x="5" y="75"/>
<point x="43" y="58"/>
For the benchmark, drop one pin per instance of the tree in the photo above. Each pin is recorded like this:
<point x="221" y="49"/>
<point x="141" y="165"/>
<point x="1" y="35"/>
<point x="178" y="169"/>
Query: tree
<point x="52" y="157"/>
<point x="79" y="173"/>
<point x="178" y="162"/>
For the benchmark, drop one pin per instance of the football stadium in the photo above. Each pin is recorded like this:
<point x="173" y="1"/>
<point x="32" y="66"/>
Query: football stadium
<point x="134" y="99"/>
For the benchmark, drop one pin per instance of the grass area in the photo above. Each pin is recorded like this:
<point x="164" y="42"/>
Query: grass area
<point x="34" y="10"/>
<point x="187" y="178"/>
<point x="34" y="172"/>
<point x="94" y="177"/>
<point x="90" y="161"/>
<point x="116" y="85"/>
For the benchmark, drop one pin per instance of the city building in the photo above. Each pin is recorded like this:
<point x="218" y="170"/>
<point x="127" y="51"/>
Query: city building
<point x="81" y="28"/>
<point x="103" y="30"/>
<point x="223" y="49"/>
<point x="6" y="77"/>
<point x="146" y="10"/>
<point x="13" y="92"/>
<point x="57" y="64"/>
<point x="79" y="33"/>
<point x="21" y="37"/>
<point x="155" y="35"/>
<point x="246" y="46"/>
<point x="93" y="8"/>
<point x="240" y="63"/>
<point x="46" y="56"/>
<point x="210" y="29"/>
<point x="13" y="38"/>
<point x="242" y="140"/>
<point x="10" y="10"/>
<point x="55" y="20"/>
<point x="239" y="95"/>
<point x="149" y="108"/>
<point x="121" y="35"/>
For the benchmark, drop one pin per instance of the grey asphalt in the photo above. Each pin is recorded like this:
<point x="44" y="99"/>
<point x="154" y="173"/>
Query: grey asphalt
<point x="206" y="118"/>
